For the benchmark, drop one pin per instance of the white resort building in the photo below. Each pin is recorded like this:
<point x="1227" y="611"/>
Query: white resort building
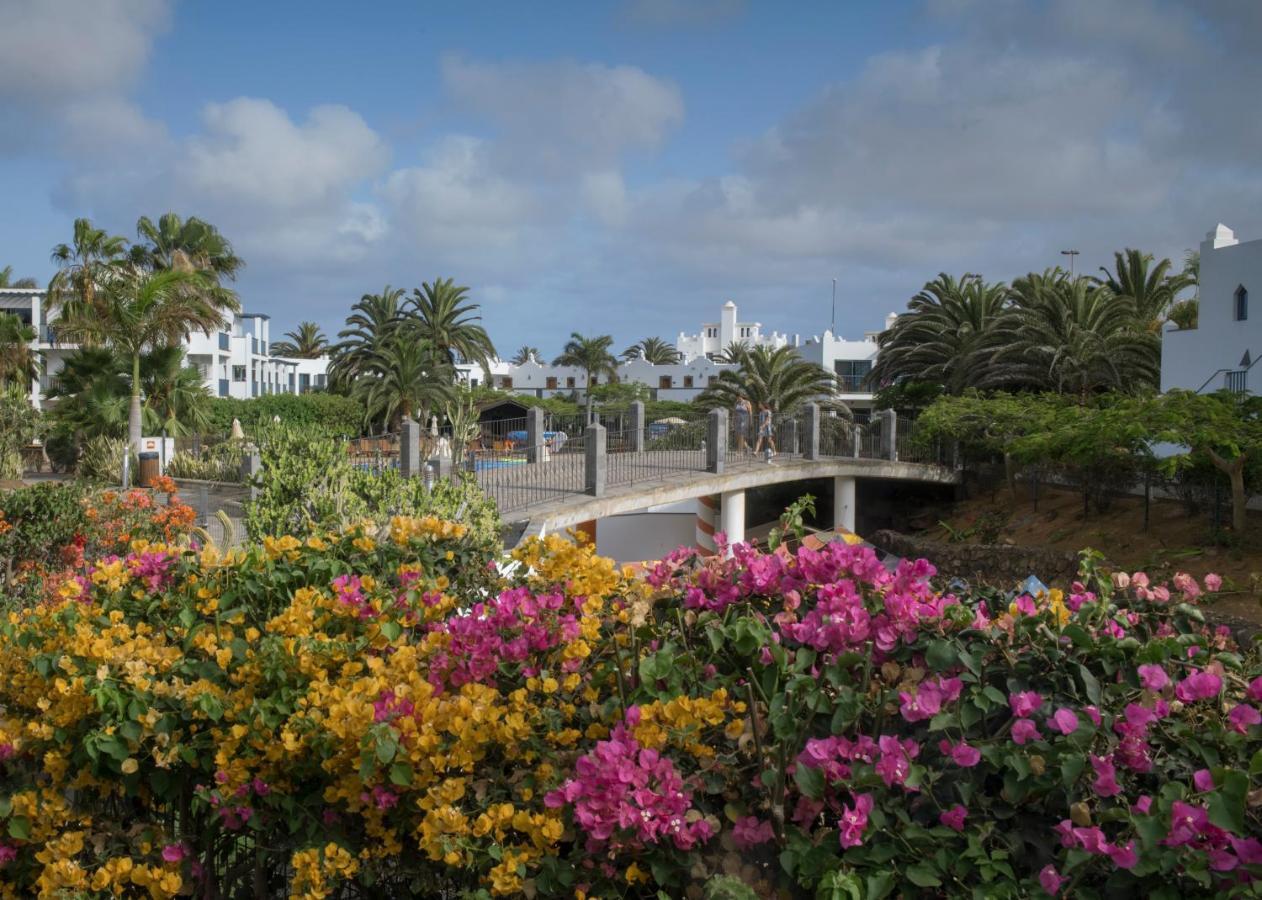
<point x="234" y="362"/>
<point x="715" y="337"/>
<point x="1223" y="350"/>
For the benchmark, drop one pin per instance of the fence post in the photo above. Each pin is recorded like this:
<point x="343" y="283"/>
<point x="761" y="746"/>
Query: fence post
<point x="596" y="463"/>
<point x="856" y="438"/>
<point x="811" y="423"/>
<point x="716" y="441"/>
<point x="251" y="465"/>
<point x="410" y="448"/>
<point x="636" y="426"/>
<point x="534" y="434"/>
<point x="889" y="435"/>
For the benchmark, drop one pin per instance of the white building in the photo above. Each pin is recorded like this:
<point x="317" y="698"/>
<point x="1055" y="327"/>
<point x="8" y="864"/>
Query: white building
<point x="715" y="337"/>
<point x="1222" y="351"/>
<point x="234" y="362"/>
<point x="850" y="361"/>
<point x="680" y="381"/>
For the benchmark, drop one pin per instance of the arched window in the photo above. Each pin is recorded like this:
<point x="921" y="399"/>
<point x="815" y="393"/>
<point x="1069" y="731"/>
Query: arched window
<point x="1241" y="304"/>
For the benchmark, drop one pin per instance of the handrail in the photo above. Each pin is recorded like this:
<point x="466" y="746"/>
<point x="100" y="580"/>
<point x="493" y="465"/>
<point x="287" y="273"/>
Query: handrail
<point x="1253" y="363"/>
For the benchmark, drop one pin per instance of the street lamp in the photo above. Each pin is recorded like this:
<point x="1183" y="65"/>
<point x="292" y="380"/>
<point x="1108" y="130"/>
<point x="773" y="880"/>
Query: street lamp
<point x="1071" y="254"/>
<point x="833" y="326"/>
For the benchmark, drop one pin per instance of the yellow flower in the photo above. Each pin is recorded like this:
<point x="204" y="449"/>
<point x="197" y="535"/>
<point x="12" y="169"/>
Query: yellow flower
<point x="129" y="766"/>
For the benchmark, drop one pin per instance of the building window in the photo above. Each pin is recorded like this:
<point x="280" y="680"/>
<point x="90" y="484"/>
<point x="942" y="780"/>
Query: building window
<point x="238" y="373"/>
<point x="507" y="383"/>
<point x="711" y="332"/>
<point x="569" y="382"/>
<point x="851" y="373"/>
<point x="322" y="380"/>
<point x="304" y="382"/>
<point x="551" y="383"/>
<point x="1241" y="306"/>
<point x="664" y="382"/>
<point x="687" y="381"/>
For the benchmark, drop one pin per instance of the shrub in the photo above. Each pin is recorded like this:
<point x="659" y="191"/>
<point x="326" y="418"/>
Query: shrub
<point x="219" y="462"/>
<point x="371" y="713"/>
<point x="332" y="414"/>
<point x="101" y="460"/>
<point x="19" y="425"/>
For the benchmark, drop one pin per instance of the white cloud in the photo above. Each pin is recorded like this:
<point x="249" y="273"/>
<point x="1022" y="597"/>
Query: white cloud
<point x="54" y="51"/>
<point x="554" y="117"/>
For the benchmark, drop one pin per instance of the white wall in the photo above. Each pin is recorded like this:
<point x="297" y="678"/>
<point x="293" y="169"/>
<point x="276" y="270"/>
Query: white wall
<point x="1191" y="359"/>
<point x="643" y="536"/>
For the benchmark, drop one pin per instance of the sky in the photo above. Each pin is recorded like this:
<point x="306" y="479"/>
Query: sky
<point x="626" y="166"/>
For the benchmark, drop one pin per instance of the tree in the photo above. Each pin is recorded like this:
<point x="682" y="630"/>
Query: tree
<point x="6" y="280"/>
<point x="653" y="350"/>
<point x="441" y="315"/>
<point x="307" y="342"/>
<point x="176" y="399"/>
<point x="1224" y="427"/>
<point x="92" y="259"/>
<point x="1152" y="289"/>
<point x="591" y="354"/>
<point x="944" y="336"/>
<point x="732" y="353"/>
<point x="525" y="354"/>
<point x="1185" y="315"/>
<point x="189" y="245"/>
<point x="778" y="378"/>
<point x="404" y="377"/>
<point x="372" y="320"/>
<point x="19" y="364"/>
<point x="1070" y="336"/>
<point x="135" y="310"/>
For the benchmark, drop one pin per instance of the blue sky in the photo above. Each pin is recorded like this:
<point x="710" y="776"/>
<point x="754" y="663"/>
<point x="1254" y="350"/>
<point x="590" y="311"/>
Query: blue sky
<point x="626" y="166"/>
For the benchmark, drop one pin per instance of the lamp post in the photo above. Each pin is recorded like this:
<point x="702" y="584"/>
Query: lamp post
<point x="1071" y="254"/>
<point x="833" y="324"/>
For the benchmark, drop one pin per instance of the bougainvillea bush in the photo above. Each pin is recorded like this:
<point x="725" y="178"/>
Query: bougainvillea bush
<point x="381" y="713"/>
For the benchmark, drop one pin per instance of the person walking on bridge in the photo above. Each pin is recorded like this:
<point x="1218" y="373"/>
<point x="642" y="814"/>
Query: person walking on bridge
<point x="765" y="432"/>
<point x="744" y="412"/>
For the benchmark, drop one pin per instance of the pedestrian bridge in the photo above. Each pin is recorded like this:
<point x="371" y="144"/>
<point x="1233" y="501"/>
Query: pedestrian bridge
<point x="545" y="485"/>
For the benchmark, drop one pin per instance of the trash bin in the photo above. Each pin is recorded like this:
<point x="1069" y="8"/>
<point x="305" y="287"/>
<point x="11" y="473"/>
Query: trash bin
<point x="149" y="469"/>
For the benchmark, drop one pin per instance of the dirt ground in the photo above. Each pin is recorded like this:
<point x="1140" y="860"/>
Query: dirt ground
<point x="1173" y="541"/>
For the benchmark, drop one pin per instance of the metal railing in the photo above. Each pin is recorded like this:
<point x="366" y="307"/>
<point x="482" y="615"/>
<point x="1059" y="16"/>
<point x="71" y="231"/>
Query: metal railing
<point x="508" y="477"/>
<point x="219" y="508"/>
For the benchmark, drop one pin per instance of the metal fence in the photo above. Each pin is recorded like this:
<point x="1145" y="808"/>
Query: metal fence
<point x="219" y="508"/>
<point x="507" y="476"/>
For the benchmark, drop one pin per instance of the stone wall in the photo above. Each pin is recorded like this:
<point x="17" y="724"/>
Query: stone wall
<point x="1000" y="565"/>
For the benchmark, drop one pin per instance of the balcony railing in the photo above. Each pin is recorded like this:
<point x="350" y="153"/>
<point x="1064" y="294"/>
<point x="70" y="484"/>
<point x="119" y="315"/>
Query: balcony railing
<point x="1236" y="382"/>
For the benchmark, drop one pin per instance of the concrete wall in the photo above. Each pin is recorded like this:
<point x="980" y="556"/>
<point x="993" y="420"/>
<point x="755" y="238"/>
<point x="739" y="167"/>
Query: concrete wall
<point x="1190" y="359"/>
<point x="638" y="537"/>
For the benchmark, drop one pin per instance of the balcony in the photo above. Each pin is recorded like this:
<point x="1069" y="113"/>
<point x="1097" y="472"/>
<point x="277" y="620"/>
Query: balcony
<point x="224" y="341"/>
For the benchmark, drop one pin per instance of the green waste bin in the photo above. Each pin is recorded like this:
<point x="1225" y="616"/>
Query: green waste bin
<point x="149" y="469"/>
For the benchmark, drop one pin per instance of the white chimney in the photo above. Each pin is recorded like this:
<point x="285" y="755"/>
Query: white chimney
<point x="890" y="320"/>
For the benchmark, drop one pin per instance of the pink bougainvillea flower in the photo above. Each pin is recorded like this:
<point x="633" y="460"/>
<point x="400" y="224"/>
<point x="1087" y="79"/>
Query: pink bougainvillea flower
<point x="1050" y="880"/>
<point x="7" y="855"/>
<point x="1199" y="685"/>
<point x="1024" y="703"/>
<point x="1255" y="690"/>
<point x="173" y="853"/>
<point x="1213" y="581"/>
<point x="965" y="756"/>
<point x="1121" y="581"/>
<point x="1065" y="721"/>
<point x="1024" y="731"/>
<point x="1091" y="839"/>
<point x="1124" y="857"/>
<point x="853" y="820"/>
<point x="1222" y="859"/>
<point x="1153" y="678"/>
<point x="1249" y="850"/>
<point x="1187" y="821"/>
<point x="924" y="704"/>
<point x="1065" y="833"/>
<point x="1243" y="717"/>
<point x="1105" y="784"/>
<point x="1142" y="805"/>
<point x="1093" y="714"/>
<point x="751" y="831"/>
<point x="1203" y="780"/>
<point x="953" y="818"/>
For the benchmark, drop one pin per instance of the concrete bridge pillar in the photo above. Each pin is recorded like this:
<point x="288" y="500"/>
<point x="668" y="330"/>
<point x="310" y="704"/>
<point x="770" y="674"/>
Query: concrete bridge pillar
<point x="844" y="502"/>
<point x="636" y="426"/>
<point x="534" y="435"/>
<point x="410" y="448"/>
<point x="707" y="524"/>
<point x="810" y="431"/>
<point x="732" y="513"/>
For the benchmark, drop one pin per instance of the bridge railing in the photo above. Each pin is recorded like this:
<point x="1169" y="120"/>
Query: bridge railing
<point x="670" y="446"/>
<point x="508" y="476"/>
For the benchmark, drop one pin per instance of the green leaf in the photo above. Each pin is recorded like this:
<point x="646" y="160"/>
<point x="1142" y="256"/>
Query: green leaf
<point x="1089" y="684"/>
<point x="401" y="774"/>
<point x="879" y="886"/>
<point x="386" y="748"/>
<point x="810" y="781"/>
<point x="20" y="828"/>
<point x="941" y="655"/>
<point x="391" y="630"/>
<point x="1071" y="768"/>
<point x="1226" y="805"/>
<point x="924" y="875"/>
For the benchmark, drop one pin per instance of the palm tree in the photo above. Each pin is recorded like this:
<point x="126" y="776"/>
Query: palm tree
<point x="525" y="354"/>
<point x="18" y="362"/>
<point x="92" y="259"/>
<point x="94" y="384"/>
<point x="653" y="350"/>
<point x="308" y="342"/>
<point x="947" y="329"/>
<point x="404" y="377"/>
<point x="190" y="244"/>
<point x="1071" y="336"/>
<point x="370" y="323"/>
<point x="732" y="353"/>
<point x="591" y="354"/>
<point x="778" y="378"/>
<point x="6" y="280"/>
<point x="1152" y="289"/>
<point x="137" y="310"/>
<point x="441" y="314"/>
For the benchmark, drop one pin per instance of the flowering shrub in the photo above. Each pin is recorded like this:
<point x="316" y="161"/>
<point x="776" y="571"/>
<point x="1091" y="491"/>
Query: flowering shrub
<point x="379" y="713"/>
